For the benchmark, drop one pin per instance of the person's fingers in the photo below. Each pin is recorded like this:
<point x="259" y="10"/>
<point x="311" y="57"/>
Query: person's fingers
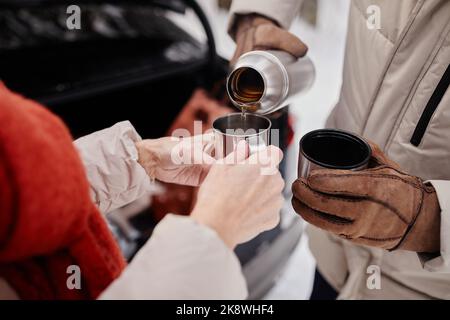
<point x="244" y="43"/>
<point x="269" y="36"/>
<point x="194" y="149"/>
<point x="268" y="159"/>
<point x="274" y="215"/>
<point x="321" y="220"/>
<point x="351" y="218"/>
<point x="204" y="170"/>
<point x="207" y="137"/>
<point x="371" y="182"/>
<point x="207" y="159"/>
<point x="240" y="154"/>
<point x="240" y="43"/>
<point x="347" y="209"/>
<point x="278" y="183"/>
<point x="209" y="149"/>
<point x="270" y="156"/>
<point x="268" y="211"/>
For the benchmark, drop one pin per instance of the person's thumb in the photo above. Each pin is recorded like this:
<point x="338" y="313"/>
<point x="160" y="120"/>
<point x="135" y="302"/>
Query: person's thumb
<point x="239" y="154"/>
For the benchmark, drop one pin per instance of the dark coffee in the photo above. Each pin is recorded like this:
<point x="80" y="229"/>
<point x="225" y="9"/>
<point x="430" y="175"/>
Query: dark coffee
<point x="246" y="86"/>
<point x="335" y="149"/>
<point x="229" y="130"/>
<point x="237" y="124"/>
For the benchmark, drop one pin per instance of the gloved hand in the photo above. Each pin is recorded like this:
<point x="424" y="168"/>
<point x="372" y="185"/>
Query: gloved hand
<point x="380" y="206"/>
<point x="239" y="198"/>
<point x="255" y="32"/>
<point x="183" y="161"/>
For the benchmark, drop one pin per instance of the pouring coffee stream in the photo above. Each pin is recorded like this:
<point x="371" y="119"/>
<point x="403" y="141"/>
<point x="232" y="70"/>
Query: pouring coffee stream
<point x="260" y="83"/>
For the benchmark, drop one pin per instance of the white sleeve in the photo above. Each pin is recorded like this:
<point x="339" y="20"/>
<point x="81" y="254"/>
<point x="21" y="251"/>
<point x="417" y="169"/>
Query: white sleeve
<point x="182" y="260"/>
<point x="110" y="160"/>
<point x="283" y="12"/>
<point x="441" y="263"/>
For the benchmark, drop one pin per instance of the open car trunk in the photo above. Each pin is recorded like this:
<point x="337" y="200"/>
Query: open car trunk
<point x="129" y="61"/>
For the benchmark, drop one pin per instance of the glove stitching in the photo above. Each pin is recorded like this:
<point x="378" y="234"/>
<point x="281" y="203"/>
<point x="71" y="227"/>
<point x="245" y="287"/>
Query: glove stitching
<point x="408" y="229"/>
<point x="418" y="181"/>
<point x="321" y="212"/>
<point x="330" y="218"/>
<point x="325" y="195"/>
<point x="398" y="171"/>
<point x="323" y="215"/>
<point x="386" y="176"/>
<point x="362" y="197"/>
<point x="347" y="237"/>
<point x="380" y="239"/>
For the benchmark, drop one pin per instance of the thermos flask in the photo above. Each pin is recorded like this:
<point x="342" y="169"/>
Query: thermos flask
<point x="265" y="81"/>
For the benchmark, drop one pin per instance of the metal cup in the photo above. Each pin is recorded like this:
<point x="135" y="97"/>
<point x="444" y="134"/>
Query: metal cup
<point x="234" y="127"/>
<point x="332" y="149"/>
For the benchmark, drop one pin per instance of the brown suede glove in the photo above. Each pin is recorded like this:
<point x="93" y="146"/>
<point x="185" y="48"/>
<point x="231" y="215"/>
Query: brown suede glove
<point x="380" y="206"/>
<point x="255" y="32"/>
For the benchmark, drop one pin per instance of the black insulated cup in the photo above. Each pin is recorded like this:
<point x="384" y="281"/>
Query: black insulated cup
<point x="332" y="149"/>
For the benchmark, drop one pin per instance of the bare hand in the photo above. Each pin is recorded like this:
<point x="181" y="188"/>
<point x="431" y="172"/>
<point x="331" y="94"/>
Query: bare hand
<point x="240" y="198"/>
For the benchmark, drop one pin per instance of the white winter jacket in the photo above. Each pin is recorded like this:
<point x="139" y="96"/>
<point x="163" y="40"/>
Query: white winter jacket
<point x="182" y="259"/>
<point x="394" y="94"/>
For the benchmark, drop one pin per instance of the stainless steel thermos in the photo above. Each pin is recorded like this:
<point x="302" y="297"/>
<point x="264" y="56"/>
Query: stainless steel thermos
<point x="265" y="81"/>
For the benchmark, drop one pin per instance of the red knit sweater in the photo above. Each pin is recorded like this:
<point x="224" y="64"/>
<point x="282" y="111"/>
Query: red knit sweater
<point x="47" y="219"/>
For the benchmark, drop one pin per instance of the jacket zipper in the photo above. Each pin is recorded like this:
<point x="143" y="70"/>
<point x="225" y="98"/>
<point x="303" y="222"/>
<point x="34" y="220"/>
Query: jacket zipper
<point x="430" y="108"/>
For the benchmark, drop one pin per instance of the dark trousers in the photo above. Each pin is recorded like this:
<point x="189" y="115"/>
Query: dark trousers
<point x="322" y="289"/>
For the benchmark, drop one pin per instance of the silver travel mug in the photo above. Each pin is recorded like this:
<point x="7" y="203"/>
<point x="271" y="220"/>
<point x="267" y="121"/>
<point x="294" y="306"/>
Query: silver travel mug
<point x="234" y="127"/>
<point x="332" y="149"/>
<point x="265" y="81"/>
